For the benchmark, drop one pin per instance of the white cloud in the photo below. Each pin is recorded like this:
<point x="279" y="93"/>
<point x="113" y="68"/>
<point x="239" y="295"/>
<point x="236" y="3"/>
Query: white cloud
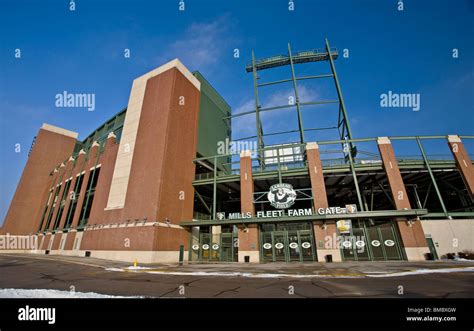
<point x="202" y="44"/>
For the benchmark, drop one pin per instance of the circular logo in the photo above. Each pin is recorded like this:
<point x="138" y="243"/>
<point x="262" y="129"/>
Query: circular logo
<point x="293" y="245"/>
<point x="215" y="247"/>
<point x="267" y="245"/>
<point x="360" y="243"/>
<point x="375" y="243"/>
<point x="205" y="247"/>
<point x="389" y="243"/>
<point x="195" y="247"/>
<point x="281" y="196"/>
<point x="347" y="244"/>
<point x="306" y="245"/>
<point x="279" y="245"/>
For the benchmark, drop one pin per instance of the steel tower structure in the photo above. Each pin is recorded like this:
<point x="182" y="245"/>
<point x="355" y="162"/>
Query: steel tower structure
<point x="316" y="55"/>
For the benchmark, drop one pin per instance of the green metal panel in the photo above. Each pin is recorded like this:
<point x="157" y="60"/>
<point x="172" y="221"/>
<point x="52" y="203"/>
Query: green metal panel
<point x="212" y="127"/>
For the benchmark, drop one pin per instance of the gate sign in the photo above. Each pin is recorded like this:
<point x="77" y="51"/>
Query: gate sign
<point x="195" y="247"/>
<point x="215" y="247"/>
<point x="278" y="245"/>
<point x="281" y="196"/>
<point x="205" y="247"/>
<point x="267" y="245"/>
<point x="306" y="245"/>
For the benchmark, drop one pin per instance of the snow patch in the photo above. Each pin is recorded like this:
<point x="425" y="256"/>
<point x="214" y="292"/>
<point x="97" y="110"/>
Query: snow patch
<point x="424" y="271"/>
<point x="57" y="294"/>
<point x="137" y="268"/>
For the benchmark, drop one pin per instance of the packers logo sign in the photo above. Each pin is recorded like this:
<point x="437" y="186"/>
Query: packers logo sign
<point x="281" y="196"/>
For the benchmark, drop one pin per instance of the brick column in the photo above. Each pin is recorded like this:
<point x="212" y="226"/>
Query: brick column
<point x="322" y="230"/>
<point x="463" y="163"/>
<point x="248" y="236"/>
<point x="411" y="232"/>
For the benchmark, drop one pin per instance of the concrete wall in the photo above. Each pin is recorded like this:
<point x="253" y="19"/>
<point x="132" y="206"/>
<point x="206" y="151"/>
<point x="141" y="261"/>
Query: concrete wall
<point x="446" y="233"/>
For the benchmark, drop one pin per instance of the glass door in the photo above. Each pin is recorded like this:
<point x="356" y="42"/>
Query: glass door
<point x="267" y="246"/>
<point x="294" y="247"/>
<point x="375" y="243"/>
<point x="279" y="246"/>
<point x="390" y="242"/>
<point x="227" y="247"/>
<point x="306" y="245"/>
<point x="359" y="244"/>
<point x="205" y="249"/>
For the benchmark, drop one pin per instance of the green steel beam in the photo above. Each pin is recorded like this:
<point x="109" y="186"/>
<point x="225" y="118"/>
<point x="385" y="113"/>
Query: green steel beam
<point x="203" y="202"/>
<point x="257" y="106"/>
<point x="297" y="78"/>
<point x="298" y="110"/>
<point x="451" y="214"/>
<point x="427" y="164"/>
<point x="354" y="176"/>
<point x="214" y="190"/>
<point x="339" y="92"/>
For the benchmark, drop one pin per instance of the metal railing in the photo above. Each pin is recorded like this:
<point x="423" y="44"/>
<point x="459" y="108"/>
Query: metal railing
<point x="298" y="157"/>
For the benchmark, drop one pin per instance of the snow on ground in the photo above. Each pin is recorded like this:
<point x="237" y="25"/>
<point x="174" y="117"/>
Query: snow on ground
<point x="270" y="275"/>
<point x="12" y="293"/>
<point x="137" y="268"/>
<point x="424" y="271"/>
<point x="231" y="274"/>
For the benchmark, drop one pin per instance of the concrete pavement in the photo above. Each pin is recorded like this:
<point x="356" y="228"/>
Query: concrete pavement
<point x="273" y="280"/>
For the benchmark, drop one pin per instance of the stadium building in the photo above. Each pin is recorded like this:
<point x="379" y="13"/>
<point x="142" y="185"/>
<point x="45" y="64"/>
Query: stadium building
<point x="151" y="184"/>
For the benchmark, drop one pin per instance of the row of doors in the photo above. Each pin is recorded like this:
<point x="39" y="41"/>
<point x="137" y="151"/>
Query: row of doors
<point x="288" y="246"/>
<point x="218" y="248"/>
<point x="367" y="241"/>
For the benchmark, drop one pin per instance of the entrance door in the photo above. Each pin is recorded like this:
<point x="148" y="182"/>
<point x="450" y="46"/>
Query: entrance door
<point x="280" y="243"/>
<point x="227" y="247"/>
<point x="390" y="242"/>
<point x="307" y="247"/>
<point x="205" y="247"/>
<point x="294" y="247"/>
<point x="375" y="243"/>
<point x="222" y="247"/>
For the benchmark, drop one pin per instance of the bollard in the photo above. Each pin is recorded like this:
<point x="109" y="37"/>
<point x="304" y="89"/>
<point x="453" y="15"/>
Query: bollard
<point x="181" y="254"/>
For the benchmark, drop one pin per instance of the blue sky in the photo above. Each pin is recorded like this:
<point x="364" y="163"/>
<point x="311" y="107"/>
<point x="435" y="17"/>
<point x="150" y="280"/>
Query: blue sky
<point x="81" y="51"/>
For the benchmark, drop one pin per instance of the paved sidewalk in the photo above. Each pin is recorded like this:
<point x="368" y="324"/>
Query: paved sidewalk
<point x="277" y="269"/>
<point x="28" y="275"/>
